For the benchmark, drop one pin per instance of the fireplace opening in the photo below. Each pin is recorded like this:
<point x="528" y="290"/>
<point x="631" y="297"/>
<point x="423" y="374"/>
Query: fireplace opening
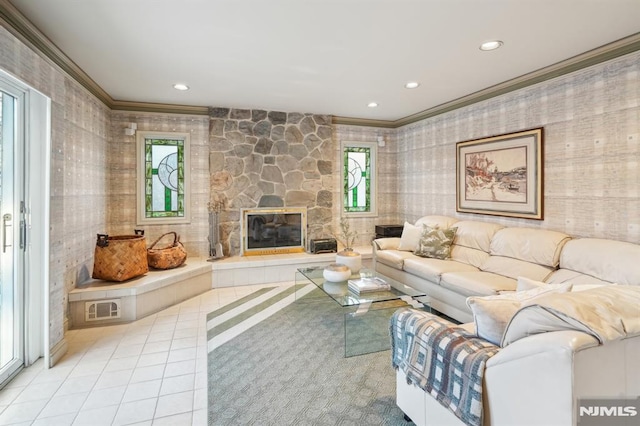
<point x="273" y="230"/>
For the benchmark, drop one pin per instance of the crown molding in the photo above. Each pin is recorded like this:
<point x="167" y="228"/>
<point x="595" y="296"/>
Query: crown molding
<point x="18" y="25"/>
<point x="161" y="108"/>
<point x="367" y="122"/>
<point x="593" y="57"/>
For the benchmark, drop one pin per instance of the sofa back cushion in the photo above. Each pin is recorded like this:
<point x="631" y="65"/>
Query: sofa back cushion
<point x="514" y="268"/>
<point x="472" y="242"/>
<point x="530" y="245"/>
<point x="606" y="260"/>
<point x="436" y="221"/>
<point x="475" y="235"/>
<point x="468" y="255"/>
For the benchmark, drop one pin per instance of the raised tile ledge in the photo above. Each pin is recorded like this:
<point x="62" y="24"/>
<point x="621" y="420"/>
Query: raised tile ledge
<point x="152" y="280"/>
<point x="237" y="262"/>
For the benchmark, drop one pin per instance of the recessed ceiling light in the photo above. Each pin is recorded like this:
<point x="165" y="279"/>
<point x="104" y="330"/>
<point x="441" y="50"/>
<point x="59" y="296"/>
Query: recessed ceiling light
<point x="372" y="104"/>
<point x="180" y="86"/>
<point x="490" y="45"/>
<point x="412" y="85"/>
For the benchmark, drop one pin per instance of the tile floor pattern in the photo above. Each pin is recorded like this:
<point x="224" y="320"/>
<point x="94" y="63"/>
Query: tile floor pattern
<point x="149" y="372"/>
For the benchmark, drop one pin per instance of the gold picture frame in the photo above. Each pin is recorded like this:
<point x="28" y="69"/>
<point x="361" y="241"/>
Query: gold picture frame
<point x="501" y="175"/>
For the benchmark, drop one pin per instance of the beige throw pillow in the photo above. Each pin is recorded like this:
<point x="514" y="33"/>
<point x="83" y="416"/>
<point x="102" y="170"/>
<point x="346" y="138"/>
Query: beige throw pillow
<point x="491" y="314"/>
<point x="435" y="242"/>
<point x="410" y="237"/>
<point x="525" y="284"/>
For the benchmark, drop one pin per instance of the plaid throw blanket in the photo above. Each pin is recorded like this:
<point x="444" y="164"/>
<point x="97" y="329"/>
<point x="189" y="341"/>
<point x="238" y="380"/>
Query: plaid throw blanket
<point x="442" y="359"/>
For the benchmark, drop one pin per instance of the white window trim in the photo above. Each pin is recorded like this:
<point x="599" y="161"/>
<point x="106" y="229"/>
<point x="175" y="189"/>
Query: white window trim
<point x="141" y="136"/>
<point x="374" y="178"/>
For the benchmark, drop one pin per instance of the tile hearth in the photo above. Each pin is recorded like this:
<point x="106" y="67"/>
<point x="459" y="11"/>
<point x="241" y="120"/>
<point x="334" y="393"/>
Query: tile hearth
<point x="253" y="270"/>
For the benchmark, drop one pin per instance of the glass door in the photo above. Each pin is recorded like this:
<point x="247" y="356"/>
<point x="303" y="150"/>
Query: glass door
<point x="11" y="239"/>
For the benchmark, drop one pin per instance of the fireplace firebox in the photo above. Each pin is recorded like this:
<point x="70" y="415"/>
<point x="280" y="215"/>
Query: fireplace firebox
<point x="273" y="230"/>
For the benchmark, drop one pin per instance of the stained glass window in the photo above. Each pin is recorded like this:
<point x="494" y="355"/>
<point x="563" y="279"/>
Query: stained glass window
<point x="163" y="188"/>
<point x="358" y="165"/>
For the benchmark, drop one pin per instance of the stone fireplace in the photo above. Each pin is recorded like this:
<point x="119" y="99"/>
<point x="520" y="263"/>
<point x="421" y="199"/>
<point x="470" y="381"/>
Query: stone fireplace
<point x="261" y="158"/>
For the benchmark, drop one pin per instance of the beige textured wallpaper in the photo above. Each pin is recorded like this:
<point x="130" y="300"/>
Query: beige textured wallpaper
<point x="591" y="120"/>
<point x="79" y="137"/>
<point x="122" y="189"/>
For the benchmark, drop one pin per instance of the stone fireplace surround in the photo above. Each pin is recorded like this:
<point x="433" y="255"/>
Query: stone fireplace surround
<point x="261" y="158"/>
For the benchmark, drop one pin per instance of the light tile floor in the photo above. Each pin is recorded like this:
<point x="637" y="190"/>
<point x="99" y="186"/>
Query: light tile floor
<point x="149" y="372"/>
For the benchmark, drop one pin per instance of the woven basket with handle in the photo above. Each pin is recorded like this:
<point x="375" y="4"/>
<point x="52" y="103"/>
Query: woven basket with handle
<point x="119" y="258"/>
<point x="168" y="257"/>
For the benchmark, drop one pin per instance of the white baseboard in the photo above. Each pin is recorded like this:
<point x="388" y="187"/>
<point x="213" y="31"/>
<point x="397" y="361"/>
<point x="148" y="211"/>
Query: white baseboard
<point x="57" y="352"/>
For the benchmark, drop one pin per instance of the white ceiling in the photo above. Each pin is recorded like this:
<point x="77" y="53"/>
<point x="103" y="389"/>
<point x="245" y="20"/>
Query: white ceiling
<point x="327" y="57"/>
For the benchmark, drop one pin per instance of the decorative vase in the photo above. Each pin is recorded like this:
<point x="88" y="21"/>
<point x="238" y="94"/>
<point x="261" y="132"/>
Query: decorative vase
<point x="336" y="273"/>
<point x="352" y="259"/>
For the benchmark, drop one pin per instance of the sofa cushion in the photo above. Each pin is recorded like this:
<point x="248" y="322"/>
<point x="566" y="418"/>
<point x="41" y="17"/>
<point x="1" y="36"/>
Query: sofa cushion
<point x="475" y="235"/>
<point x="435" y="242"/>
<point x="432" y="269"/>
<point x="515" y="268"/>
<point x="434" y="220"/>
<point x="607" y="260"/>
<point x="468" y="255"/>
<point x="491" y="314"/>
<point x="577" y="278"/>
<point x="477" y="283"/>
<point x="393" y="258"/>
<point x="410" y="237"/>
<point x="531" y="245"/>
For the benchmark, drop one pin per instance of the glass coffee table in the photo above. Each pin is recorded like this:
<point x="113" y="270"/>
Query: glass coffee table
<point x="366" y="315"/>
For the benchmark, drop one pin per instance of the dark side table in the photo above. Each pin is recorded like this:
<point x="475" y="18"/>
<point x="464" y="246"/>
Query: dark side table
<point x="386" y="231"/>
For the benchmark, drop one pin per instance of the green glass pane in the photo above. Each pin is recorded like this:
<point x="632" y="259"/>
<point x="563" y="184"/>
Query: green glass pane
<point x="164" y="182"/>
<point x="357" y="179"/>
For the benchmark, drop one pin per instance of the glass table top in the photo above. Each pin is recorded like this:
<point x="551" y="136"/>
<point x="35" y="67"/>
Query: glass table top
<point x="340" y="292"/>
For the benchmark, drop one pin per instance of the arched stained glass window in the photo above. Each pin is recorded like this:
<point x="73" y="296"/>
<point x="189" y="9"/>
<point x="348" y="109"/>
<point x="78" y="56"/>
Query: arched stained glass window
<point x="359" y="178"/>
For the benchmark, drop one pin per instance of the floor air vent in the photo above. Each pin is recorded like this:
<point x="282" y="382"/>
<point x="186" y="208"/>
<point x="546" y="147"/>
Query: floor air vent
<point x="103" y="309"/>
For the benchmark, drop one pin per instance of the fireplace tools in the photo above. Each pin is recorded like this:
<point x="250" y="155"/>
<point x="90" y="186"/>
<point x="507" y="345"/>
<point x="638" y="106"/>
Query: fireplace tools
<point x="215" y="246"/>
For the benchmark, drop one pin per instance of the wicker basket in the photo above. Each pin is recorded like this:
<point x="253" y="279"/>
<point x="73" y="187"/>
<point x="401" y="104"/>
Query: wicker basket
<point x="168" y="257"/>
<point x="120" y="258"/>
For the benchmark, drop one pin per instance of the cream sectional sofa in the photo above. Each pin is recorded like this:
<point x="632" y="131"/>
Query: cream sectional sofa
<point x="540" y="377"/>
<point x="486" y="259"/>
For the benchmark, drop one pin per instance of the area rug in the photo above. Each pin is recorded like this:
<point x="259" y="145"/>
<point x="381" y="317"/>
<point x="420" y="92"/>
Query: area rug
<point x="277" y="358"/>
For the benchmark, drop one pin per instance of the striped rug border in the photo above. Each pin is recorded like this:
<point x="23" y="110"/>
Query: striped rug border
<point x="230" y="321"/>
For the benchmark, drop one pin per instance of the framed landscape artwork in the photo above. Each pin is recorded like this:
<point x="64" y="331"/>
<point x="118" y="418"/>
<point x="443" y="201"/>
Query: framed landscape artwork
<point x="501" y="175"/>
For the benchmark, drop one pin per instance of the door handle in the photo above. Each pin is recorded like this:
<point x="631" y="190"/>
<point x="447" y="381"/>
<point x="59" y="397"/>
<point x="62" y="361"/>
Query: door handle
<point x="23" y="235"/>
<point x="6" y="218"/>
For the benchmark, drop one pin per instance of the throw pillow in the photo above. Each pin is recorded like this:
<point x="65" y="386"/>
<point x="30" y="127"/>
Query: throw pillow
<point x="435" y="242"/>
<point x="525" y="284"/>
<point x="410" y="237"/>
<point x="491" y="314"/>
